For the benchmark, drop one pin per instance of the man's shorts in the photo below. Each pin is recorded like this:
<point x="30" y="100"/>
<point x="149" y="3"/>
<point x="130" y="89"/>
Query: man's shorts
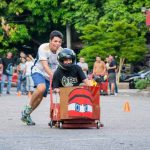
<point x="112" y="77"/>
<point x="39" y="79"/>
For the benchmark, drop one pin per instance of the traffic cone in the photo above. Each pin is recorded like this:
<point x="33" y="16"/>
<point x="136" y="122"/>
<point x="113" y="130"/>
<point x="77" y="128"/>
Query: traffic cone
<point x="19" y="93"/>
<point x="126" y="107"/>
<point x="29" y="94"/>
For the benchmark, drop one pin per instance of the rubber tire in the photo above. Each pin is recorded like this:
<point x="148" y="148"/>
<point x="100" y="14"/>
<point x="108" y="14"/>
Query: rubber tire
<point x="98" y="124"/>
<point x="60" y="125"/>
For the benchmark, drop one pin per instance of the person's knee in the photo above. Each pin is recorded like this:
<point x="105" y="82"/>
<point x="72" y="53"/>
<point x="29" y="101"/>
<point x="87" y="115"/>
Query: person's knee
<point x="41" y="88"/>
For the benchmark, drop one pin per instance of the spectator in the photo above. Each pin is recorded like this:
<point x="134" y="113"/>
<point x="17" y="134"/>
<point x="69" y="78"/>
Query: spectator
<point x="83" y="65"/>
<point x="43" y="68"/>
<point x="22" y="55"/>
<point x="29" y="81"/>
<point x="112" y="75"/>
<point x="99" y="69"/>
<point x="8" y="64"/>
<point x="21" y="85"/>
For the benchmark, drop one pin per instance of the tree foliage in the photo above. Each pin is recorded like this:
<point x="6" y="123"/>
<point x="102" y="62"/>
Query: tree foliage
<point x="119" y="32"/>
<point x="107" y="26"/>
<point x="37" y="18"/>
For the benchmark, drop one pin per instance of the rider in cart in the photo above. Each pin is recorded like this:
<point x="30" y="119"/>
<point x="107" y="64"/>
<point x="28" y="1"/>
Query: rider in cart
<point x="68" y="73"/>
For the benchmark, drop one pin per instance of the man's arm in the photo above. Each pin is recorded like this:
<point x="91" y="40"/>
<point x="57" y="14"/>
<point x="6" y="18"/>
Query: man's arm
<point x="46" y="67"/>
<point x="87" y="82"/>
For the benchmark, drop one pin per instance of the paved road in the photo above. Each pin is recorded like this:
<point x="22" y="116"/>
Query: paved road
<point x="121" y="131"/>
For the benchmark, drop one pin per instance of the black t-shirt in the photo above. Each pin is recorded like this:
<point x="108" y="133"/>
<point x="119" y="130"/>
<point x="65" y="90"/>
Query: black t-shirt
<point x="112" y="64"/>
<point x="64" y="78"/>
<point x="7" y="64"/>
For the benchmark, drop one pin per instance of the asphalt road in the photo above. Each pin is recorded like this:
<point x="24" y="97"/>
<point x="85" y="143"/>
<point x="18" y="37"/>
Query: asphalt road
<point x="121" y="131"/>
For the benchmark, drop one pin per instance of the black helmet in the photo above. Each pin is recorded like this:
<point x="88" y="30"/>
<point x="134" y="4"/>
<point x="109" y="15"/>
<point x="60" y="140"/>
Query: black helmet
<point x="66" y="53"/>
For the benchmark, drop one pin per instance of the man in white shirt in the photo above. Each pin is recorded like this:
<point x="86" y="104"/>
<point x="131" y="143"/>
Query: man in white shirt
<point x="42" y="70"/>
<point x="83" y="65"/>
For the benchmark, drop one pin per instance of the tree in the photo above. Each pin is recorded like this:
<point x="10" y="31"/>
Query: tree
<point x="39" y="17"/>
<point x="120" y="32"/>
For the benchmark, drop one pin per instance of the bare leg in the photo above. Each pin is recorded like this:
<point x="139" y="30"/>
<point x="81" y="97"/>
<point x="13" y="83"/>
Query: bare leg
<point x="112" y="87"/>
<point x="37" y="96"/>
<point x="33" y="103"/>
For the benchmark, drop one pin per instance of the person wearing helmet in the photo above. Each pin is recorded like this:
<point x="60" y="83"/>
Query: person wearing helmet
<point x="43" y="68"/>
<point x="68" y="73"/>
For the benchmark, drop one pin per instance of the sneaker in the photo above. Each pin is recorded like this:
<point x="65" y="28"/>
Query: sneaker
<point x="26" y="116"/>
<point x="27" y="119"/>
<point x="116" y="94"/>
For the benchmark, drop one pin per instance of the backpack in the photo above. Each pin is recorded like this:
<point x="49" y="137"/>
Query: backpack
<point x="9" y="69"/>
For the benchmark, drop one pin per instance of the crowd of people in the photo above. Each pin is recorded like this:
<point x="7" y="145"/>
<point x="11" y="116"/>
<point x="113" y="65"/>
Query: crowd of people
<point x="22" y="67"/>
<point x="57" y="63"/>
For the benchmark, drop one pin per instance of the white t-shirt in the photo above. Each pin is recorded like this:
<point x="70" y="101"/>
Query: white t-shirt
<point x="83" y="65"/>
<point x="44" y="53"/>
<point x="28" y="65"/>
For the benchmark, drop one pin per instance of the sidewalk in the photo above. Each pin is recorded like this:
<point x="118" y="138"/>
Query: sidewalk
<point x="134" y="92"/>
<point x="124" y="90"/>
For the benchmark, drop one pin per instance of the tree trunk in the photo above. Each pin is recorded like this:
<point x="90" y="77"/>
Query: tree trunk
<point x="120" y="68"/>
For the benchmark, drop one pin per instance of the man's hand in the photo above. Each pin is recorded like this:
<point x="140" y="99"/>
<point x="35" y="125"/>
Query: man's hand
<point x="88" y="82"/>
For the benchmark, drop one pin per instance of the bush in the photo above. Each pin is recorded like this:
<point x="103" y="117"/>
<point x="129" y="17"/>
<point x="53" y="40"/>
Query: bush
<point x="141" y="84"/>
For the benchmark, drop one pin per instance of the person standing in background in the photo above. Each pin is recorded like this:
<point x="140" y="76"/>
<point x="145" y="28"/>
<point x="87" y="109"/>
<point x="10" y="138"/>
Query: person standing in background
<point x="112" y="74"/>
<point x="21" y="86"/>
<point x="29" y="81"/>
<point x="7" y="64"/>
<point x="99" y="68"/>
<point x="83" y="65"/>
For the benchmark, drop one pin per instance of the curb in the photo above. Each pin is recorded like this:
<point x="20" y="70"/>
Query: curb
<point x="134" y="92"/>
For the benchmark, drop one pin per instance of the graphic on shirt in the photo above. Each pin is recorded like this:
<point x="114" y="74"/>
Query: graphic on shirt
<point x="80" y="103"/>
<point x="68" y="81"/>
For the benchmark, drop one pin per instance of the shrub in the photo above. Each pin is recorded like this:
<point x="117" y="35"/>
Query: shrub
<point x="141" y="84"/>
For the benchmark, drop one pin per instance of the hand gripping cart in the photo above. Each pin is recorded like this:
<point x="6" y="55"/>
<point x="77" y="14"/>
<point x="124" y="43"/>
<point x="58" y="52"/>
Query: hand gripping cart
<point x="75" y="107"/>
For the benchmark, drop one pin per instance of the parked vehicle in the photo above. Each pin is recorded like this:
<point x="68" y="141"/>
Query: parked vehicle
<point x="141" y="73"/>
<point x="145" y="74"/>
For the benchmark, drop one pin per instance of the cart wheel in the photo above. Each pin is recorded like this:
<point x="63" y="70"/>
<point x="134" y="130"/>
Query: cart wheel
<point x="50" y="123"/>
<point x="60" y="125"/>
<point x="98" y="124"/>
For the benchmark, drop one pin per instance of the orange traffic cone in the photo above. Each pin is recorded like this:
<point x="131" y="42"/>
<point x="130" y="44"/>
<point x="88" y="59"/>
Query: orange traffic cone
<point x="126" y="107"/>
<point x="29" y="94"/>
<point x="19" y="93"/>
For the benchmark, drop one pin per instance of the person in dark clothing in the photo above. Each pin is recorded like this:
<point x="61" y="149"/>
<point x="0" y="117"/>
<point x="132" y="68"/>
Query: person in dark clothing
<point x="7" y="64"/>
<point x="68" y="73"/>
<point x="112" y="74"/>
